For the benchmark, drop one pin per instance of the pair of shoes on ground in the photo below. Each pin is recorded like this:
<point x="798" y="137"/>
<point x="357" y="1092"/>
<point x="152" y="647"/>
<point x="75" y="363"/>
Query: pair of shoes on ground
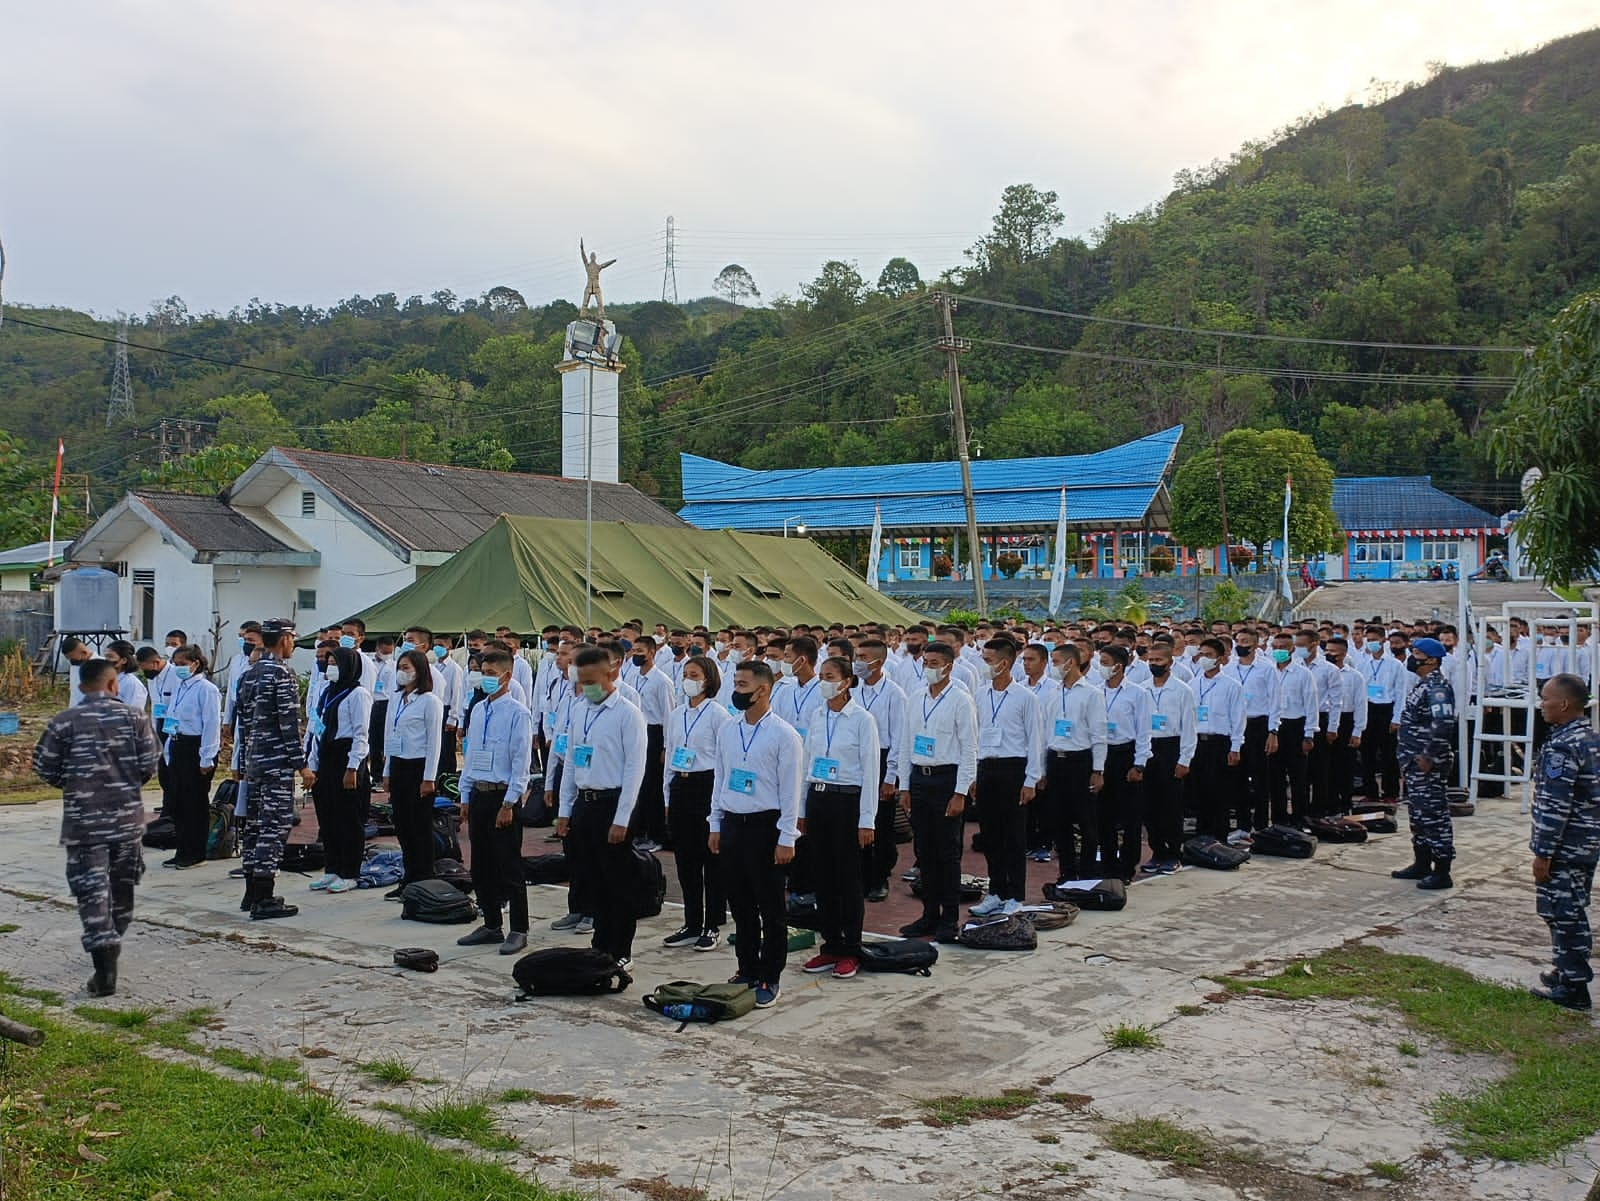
<point x="1160" y="867"/>
<point x="995" y="906"/>
<point x="574" y="923"/>
<point x="329" y="882"/>
<point x="925" y="927"/>
<point x="843" y="967"/>
<point x="483" y="936"/>
<point x="700" y="940"/>
<point x="766" y="993"/>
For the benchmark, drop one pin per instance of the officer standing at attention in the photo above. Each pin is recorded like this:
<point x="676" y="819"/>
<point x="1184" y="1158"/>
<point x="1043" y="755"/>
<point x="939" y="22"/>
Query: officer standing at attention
<point x="1425" y="746"/>
<point x="886" y="701"/>
<point x="1010" y="762"/>
<point x="271" y="751"/>
<point x="100" y="753"/>
<point x="1566" y="837"/>
<point x="1075" y="761"/>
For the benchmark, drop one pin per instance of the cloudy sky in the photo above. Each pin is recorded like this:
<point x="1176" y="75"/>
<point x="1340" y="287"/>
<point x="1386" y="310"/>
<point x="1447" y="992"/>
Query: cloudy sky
<point x="303" y="152"/>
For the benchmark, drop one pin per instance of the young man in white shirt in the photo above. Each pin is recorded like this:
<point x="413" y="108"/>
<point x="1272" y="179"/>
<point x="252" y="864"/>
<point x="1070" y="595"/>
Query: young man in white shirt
<point x="1173" y="738"/>
<point x="883" y="698"/>
<point x="1386" y="693"/>
<point x="1220" y="733"/>
<point x="754" y="824"/>
<point x="655" y="701"/>
<point x="1293" y="734"/>
<point x="1352" y="725"/>
<point x="1074" y="725"/>
<point x="1037" y="677"/>
<point x="1010" y="762"/>
<point x="1121" y="809"/>
<point x="1330" y="707"/>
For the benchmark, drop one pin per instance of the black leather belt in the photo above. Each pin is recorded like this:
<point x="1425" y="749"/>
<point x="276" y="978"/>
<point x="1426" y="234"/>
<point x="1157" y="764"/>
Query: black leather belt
<point x="818" y="786"/>
<point x="933" y="769"/>
<point x="599" y="794"/>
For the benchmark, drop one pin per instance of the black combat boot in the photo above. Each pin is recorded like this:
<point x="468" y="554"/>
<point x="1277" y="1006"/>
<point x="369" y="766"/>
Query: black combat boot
<point x="252" y="894"/>
<point x="1569" y="994"/>
<point x="268" y="906"/>
<point x="1421" y="865"/>
<point x="104" y="981"/>
<point x="1439" y="877"/>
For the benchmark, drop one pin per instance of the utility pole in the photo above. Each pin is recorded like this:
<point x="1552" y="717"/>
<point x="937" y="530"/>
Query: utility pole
<point x="669" y="275"/>
<point x="953" y="346"/>
<point x="1222" y="493"/>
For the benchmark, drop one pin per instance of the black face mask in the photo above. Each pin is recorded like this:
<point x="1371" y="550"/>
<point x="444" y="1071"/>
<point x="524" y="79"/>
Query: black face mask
<point x="1158" y="671"/>
<point x="1414" y="664"/>
<point x="743" y="700"/>
<point x="639" y="660"/>
<point x="1244" y="652"/>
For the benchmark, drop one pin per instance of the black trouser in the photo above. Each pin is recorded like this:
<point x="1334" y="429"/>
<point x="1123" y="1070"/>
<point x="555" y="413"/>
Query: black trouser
<point x="1494" y="753"/>
<point x="649" y="812"/>
<point x="1072" y="806"/>
<point x="698" y="877"/>
<point x="878" y="860"/>
<point x="1215" y="783"/>
<point x="1041" y="821"/>
<point x="340" y="822"/>
<point x="937" y="842"/>
<point x="753" y="884"/>
<point x="497" y="875"/>
<point x="1253" y="765"/>
<point x="413" y="819"/>
<point x="605" y="867"/>
<point x="1004" y="825"/>
<point x="163" y="772"/>
<point x="375" y="736"/>
<point x="1163" y="798"/>
<point x="188" y="796"/>
<point x="1319" y="770"/>
<point x="1342" y="765"/>
<point x="1378" y="763"/>
<point x="833" y="817"/>
<point x="1288" y="769"/>
<point x="447" y="747"/>
<point x="1121" y="810"/>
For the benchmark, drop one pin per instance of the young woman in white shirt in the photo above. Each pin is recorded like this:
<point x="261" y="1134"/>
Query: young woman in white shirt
<point x="688" y="768"/>
<point x="192" y="722"/>
<point x="411" y="763"/>
<point x="336" y="769"/>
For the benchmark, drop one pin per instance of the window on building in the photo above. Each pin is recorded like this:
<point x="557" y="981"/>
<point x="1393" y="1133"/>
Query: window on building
<point x="1438" y="551"/>
<point x="308" y="504"/>
<point x="910" y="558"/>
<point x="305" y="600"/>
<point x="1380" y="550"/>
<point x="144" y="604"/>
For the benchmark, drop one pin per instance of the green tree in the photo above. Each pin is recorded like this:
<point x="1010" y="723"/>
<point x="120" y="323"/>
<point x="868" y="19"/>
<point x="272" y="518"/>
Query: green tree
<point x="205" y="472"/>
<point x="26" y="482"/>
<point x="836" y="292"/>
<point x="1552" y="422"/>
<point x="250" y="420"/>
<point x="736" y="284"/>
<point x="1023" y="229"/>
<point x="1412" y="438"/>
<point x="899" y="277"/>
<point x="1254" y="463"/>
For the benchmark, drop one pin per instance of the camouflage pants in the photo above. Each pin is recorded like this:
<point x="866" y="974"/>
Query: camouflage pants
<point x="1564" y="905"/>
<point x="1428" y="810"/>
<point x="101" y="877"/>
<point x="269" y="814"/>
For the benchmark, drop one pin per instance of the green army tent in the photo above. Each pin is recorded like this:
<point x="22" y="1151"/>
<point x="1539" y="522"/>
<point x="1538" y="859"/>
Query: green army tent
<point x="528" y="572"/>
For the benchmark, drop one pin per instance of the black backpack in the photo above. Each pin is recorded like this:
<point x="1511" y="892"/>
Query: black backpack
<point x="568" y="972"/>
<point x="303" y="857"/>
<point x="909" y="955"/>
<point x="1283" y="842"/>
<point x="445" y="843"/>
<point x="1206" y="851"/>
<point x="649" y="892"/>
<point x="222" y="841"/>
<point x="1377" y="821"/>
<point x="545" y="869"/>
<point x="1338" y="829"/>
<point x="438" y="902"/>
<point x="161" y="835"/>
<point x="1107" y="896"/>
<point x="453" y="872"/>
<point x="1015" y="932"/>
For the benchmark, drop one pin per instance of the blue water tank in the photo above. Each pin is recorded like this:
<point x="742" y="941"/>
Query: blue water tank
<point x="88" y="601"/>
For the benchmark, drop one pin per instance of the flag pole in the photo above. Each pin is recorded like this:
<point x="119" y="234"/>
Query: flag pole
<point x="55" y="500"/>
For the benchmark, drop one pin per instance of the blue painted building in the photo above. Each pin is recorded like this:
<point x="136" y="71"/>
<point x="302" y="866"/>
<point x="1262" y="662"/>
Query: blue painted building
<point x="1117" y="503"/>
<point x="1401" y="527"/>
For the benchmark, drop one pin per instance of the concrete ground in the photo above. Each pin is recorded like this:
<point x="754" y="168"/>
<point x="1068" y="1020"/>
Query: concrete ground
<point x="818" y="1097"/>
<point x="1410" y="600"/>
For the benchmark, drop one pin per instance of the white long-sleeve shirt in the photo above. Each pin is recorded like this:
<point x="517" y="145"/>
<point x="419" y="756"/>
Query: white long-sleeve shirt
<point x="132" y="692"/>
<point x="797" y="703"/>
<point x="1330" y="690"/>
<point x="1386" y="679"/>
<point x="499" y="746"/>
<point x="1219" y="708"/>
<point x="351" y="718"/>
<point x="195" y="710"/>
<point x="886" y="701"/>
<point x="415" y="731"/>
<point x="1297" y="698"/>
<point x="760" y="767"/>
<point x="1260" y="685"/>
<point x="842" y="748"/>
<point x="1173" y="714"/>
<point x="1075" y="720"/>
<point x="1128" y="719"/>
<point x="1354" y="702"/>
<point x="655" y="695"/>
<point x="690" y="741"/>
<point x="940" y="730"/>
<point x="605" y="749"/>
<point x="1009" y="728"/>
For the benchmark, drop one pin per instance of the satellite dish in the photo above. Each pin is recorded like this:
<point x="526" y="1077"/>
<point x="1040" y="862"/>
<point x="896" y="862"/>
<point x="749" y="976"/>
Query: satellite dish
<point x="1530" y="477"/>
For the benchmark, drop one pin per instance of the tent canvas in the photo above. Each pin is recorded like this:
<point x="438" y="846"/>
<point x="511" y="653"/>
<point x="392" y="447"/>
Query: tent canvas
<point x="528" y="572"/>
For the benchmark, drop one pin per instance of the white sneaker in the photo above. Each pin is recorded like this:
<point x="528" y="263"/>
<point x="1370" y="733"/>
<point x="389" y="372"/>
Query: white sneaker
<point x="989" y="905"/>
<point x="323" y="881"/>
<point x="1011" y="907"/>
<point x="1240" y="838"/>
<point x="343" y="884"/>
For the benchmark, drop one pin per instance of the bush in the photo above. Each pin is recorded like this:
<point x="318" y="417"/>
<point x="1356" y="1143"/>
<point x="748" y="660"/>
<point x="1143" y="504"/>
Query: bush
<point x="1009" y="564"/>
<point x="1241" y="557"/>
<point x="942" y="566"/>
<point x="1227" y="602"/>
<point x="1162" y="560"/>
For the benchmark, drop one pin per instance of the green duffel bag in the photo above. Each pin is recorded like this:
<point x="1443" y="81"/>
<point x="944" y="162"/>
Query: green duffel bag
<point x="685" y="1001"/>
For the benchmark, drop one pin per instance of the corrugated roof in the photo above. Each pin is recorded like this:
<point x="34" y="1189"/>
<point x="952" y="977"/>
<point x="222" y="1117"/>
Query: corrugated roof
<point x="1113" y="486"/>
<point x="208" y="523"/>
<point x="1403" y="502"/>
<point x="428" y="507"/>
<point x="34" y="554"/>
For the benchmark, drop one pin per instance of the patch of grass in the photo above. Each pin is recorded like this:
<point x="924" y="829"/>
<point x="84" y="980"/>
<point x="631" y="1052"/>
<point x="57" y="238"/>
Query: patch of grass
<point x="470" y="1121"/>
<point x="9" y="927"/>
<point x="956" y="1110"/>
<point x="515" y="1096"/>
<point x="1063" y="1168"/>
<point x="1409" y="1048"/>
<point x="659" y="1188"/>
<point x="283" y="1070"/>
<point x="188" y="1132"/>
<point x="391" y="1069"/>
<point x="127" y="1019"/>
<point x="1073" y="1101"/>
<point x="1157" y="1138"/>
<point x="1047" y="1139"/>
<point x="588" y="1169"/>
<point x="1123" y="1037"/>
<point x="1548" y="1099"/>
<point x="1386" y="1170"/>
<point x="10" y="986"/>
<point x="28" y="796"/>
<point x="1191" y="1011"/>
<point x="595" y="1104"/>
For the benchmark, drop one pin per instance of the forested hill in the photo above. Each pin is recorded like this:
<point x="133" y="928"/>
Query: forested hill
<point x="1458" y="213"/>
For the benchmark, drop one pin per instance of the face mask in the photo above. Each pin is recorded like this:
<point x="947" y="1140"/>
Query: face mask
<point x="1243" y="652"/>
<point x="405" y="678"/>
<point x="572" y="675"/>
<point x="743" y="700"/>
<point x="181" y="671"/>
<point x="1204" y="663"/>
<point x="860" y="668"/>
<point x="348" y="642"/>
<point x="1413" y="664"/>
<point x="735" y="656"/>
<point x="639" y="660"/>
<point x="1055" y="673"/>
<point x="241" y="643"/>
<point x="1374" y="647"/>
<point x="1280" y="656"/>
<point x="1105" y="672"/>
<point x="407" y="646"/>
<point x="1301" y="654"/>
<point x="439" y="652"/>
<point x="693" y="688"/>
<point x="785" y="669"/>
<point x="934" y="674"/>
<point x="593" y="693"/>
<point x="721" y="646"/>
<point x="828" y="689"/>
<point x="994" y="669"/>
<point x="474" y="679"/>
<point x="1159" y="672"/>
<point x="333" y="673"/>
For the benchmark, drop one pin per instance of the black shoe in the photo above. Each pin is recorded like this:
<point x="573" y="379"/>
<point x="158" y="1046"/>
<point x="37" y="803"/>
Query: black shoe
<point x="104" y="981"/>
<point x="685" y="937"/>
<point x="182" y="864"/>
<point x="394" y="893"/>
<point x="1439" y="877"/>
<point x="252" y="894"/>
<point x="516" y="941"/>
<point x="709" y="939"/>
<point x="173" y="862"/>
<point x="482" y="936"/>
<point x="880" y="893"/>
<point x="1421" y="866"/>
<point x="272" y="907"/>
<point x="947" y="934"/>
<point x="921" y="928"/>
<point x="1569" y="994"/>
<point x="238" y="873"/>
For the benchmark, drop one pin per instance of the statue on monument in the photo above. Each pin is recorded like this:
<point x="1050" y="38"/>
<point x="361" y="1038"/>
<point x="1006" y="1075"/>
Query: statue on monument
<point x="592" y="267"/>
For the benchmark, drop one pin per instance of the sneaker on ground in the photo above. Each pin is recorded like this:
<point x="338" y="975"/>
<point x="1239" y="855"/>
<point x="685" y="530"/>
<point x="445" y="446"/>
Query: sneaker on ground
<point x="624" y="964"/>
<point x="482" y="936"/>
<point x="647" y="844"/>
<point x="708" y="940"/>
<point x="766" y="995"/>
<point x="1240" y="838"/>
<point x="343" y="885"/>
<point x="912" y="876"/>
<point x="1168" y="867"/>
<point x="1042" y="855"/>
<point x="683" y="938"/>
<point x="804" y="900"/>
<point x="920" y="928"/>
<point x="747" y="981"/>
<point x="846" y="967"/>
<point x="1151" y="867"/>
<point x="990" y="904"/>
<point x="516" y="941"/>
<point x="585" y="926"/>
<point x="880" y="893"/>
<point x="566" y="921"/>
<point x="822" y="962"/>
<point x="1010" y="907"/>
<point x="323" y="881"/>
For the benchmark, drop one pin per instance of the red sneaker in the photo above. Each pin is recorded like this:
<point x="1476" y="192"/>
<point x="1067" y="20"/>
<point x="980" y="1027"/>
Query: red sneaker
<point x="846" y="967"/>
<point x="820" y="963"/>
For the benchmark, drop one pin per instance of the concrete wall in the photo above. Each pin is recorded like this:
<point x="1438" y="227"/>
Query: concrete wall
<point x="26" y="617"/>
<point x="1170" y="597"/>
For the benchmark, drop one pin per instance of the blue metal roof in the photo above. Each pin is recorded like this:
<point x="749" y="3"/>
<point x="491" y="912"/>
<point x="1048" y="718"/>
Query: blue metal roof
<point x="1119" y="486"/>
<point x="1403" y="502"/>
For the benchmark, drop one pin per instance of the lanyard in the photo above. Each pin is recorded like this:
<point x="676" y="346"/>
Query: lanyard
<point x="927" y="713"/>
<point x="595" y="714"/>
<point x="1156" y="694"/>
<point x="487" y="709"/>
<point x="800" y="697"/>
<point x="177" y="698"/>
<point x="871" y="698"/>
<point x="1377" y="666"/>
<point x="1112" y="703"/>
<point x="688" y="730"/>
<point x="1205" y="692"/>
<point x="754" y="734"/>
<point x="994" y="709"/>
<point x="1064" y="692"/>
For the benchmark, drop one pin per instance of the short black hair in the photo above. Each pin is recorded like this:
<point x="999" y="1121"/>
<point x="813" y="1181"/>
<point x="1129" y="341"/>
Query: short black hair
<point x="757" y="668"/>
<point x="589" y="656"/>
<point x="1118" y="653"/>
<point x="178" y="634"/>
<point x="147" y="653"/>
<point x="92" y="672"/>
<point x="357" y="622"/>
<point x="1568" y="685"/>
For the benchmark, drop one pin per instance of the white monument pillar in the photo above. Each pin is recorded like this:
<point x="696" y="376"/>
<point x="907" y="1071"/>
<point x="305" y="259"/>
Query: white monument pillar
<point x="590" y="383"/>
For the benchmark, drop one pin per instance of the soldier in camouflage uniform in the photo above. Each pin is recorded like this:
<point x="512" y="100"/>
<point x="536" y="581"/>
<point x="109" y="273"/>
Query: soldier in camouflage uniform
<point x="1425" y="749"/>
<point x="100" y="753"/>
<point x="1566" y="837"/>
<point x="271" y="751"/>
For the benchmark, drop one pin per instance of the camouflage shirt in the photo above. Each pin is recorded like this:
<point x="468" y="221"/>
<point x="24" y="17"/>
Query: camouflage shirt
<point x="1566" y="796"/>
<point x="1428" y="721"/>
<point x="267" y="710"/>
<point x="99" y="753"/>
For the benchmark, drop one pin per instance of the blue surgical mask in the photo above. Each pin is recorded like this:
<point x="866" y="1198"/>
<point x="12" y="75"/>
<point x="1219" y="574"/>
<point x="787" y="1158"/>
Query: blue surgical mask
<point x="490" y="685"/>
<point x="1279" y="655"/>
<point x="241" y="643"/>
<point x="346" y="641"/>
<point x="440" y="652"/>
<point x="407" y="646"/>
<point x="181" y="670"/>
